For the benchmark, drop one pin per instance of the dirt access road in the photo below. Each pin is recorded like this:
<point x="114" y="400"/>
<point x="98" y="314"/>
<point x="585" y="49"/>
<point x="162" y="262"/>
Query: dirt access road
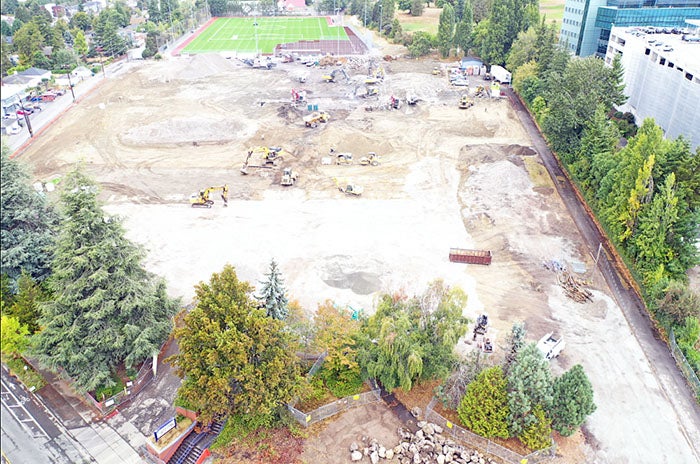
<point x="158" y="131"/>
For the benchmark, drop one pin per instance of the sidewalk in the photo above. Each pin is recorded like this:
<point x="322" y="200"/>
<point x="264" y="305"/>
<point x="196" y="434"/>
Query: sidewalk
<point x="98" y="437"/>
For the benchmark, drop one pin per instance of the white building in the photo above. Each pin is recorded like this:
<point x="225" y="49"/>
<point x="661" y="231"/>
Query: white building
<point x="662" y="78"/>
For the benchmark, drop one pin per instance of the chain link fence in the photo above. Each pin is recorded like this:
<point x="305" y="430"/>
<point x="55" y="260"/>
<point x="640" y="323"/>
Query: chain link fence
<point x="683" y="365"/>
<point x="484" y="444"/>
<point x="330" y="409"/>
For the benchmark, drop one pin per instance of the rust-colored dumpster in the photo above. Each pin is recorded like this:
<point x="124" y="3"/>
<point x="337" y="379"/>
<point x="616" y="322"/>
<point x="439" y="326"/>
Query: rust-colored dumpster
<point x="461" y="255"/>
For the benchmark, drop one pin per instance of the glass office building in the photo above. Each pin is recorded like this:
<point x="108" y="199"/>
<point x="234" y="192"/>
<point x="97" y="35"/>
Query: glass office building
<point x="587" y="23"/>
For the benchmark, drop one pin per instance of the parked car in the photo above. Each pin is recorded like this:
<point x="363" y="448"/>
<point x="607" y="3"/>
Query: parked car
<point x="25" y="111"/>
<point x="48" y="97"/>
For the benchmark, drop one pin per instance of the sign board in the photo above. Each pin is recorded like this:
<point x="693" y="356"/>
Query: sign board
<point x="165" y="428"/>
<point x="109" y="403"/>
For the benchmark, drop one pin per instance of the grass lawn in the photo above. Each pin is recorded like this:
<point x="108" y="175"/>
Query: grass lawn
<point x="239" y="34"/>
<point x="554" y="10"/>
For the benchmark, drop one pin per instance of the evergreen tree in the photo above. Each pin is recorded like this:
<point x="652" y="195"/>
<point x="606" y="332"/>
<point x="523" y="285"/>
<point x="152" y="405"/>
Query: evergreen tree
<point x="529" y="385"/>
<point x="80" y="46"/>
<point x="446" y="29"/>
<point x="463" y="29"/>
<point x="538" y="435"/>
<point x="484" y="407"/>
<point x="107" y="309"/>
<point x="27" y="224"/>
<point x="25" y="305"/>
<point x="572" y="401"/>
<point x="233" y="359"/>
<point x="272" y="294"/>
<point x="516" y="340"/>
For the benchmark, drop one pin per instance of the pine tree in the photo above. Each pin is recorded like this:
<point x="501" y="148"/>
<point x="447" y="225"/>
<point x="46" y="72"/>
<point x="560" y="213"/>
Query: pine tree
<point x="233" y="359"/>
<point x="107" y="309"/>
<point x="529" y="384"/>
<point x="272" y="294"/>
<point x="484" y="407"/>
<point x="28" y="223"/>
<point x="572" y="401"/>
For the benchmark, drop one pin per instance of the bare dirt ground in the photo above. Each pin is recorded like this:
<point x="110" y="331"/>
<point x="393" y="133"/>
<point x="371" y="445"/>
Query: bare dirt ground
<point x="159" y="131"/>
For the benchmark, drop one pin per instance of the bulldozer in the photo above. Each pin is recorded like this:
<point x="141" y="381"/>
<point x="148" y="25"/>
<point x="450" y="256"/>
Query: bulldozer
<point x="270" y="157"/>
<point x="465" y="102"/>
<point x="313" y="119"/>
<point x="289" y="177"/>
<point x="331" y="78"/>
<point x="436" y="71"/>
<point x="372" y="159"/>
<point x="348" y="188"/>
<point x="202" y="198"/>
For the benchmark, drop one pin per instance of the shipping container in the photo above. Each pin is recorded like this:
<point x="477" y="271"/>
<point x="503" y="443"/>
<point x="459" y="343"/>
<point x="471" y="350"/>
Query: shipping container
<point x="460" y="255"/>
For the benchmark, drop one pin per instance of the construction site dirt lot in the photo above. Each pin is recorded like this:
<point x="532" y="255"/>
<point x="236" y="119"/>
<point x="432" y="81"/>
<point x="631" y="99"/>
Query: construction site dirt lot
<point x="156" y="132"/>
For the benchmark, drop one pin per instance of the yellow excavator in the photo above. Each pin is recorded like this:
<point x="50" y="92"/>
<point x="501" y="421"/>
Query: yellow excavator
<point x="271" y="156"/>
<point x="201" y="199"/>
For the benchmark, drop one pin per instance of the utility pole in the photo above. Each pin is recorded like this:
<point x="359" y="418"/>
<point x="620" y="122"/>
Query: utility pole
<point x="70" y="84"/>
<point x="26" y="118"/>
<point x="381" y="16"/>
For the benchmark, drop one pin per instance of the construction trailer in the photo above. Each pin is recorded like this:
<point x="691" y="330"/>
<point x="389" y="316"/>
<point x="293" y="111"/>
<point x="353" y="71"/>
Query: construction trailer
<point x="500" y="74"/>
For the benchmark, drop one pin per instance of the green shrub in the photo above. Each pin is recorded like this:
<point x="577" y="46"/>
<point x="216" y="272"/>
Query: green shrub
<point x="343" y="383"/>
<point x="239" y="426"/>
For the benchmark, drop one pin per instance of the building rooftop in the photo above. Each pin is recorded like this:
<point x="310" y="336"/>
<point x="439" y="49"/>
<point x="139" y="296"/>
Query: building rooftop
<point x="676" y="45"/>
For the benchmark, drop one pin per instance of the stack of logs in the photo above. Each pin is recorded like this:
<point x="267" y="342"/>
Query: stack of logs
<point x="573" y="287"/>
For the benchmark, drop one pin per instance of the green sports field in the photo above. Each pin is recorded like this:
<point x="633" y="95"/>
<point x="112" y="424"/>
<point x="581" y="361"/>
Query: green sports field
<point x="239" y="34"/>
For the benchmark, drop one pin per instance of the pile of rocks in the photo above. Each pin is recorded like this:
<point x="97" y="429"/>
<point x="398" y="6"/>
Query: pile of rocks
<point x="425" y="446"/>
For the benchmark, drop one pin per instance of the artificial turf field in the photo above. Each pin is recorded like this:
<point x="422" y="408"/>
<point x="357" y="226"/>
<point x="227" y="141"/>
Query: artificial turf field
<point x="238" y="34"/>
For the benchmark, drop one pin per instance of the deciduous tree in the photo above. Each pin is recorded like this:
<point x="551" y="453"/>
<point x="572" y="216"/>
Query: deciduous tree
<point x="233" y="359"/>
<point x="13" y="335"/>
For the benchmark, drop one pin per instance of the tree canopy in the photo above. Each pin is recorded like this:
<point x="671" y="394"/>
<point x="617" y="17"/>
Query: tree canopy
<point x="233" y="359"/>
<point x="106" y="309"/>
<point x="272" y="294"/>
<point x="28" y="223"/>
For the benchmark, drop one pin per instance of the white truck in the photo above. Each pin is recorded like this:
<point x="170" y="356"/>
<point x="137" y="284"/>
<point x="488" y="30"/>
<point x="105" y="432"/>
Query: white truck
<point x="551" y="346"/>
<point x="500" y="74"/>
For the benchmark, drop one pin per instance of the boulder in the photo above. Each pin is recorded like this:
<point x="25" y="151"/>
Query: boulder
<point x="389" y="454"/>
<point x="354" y="447"/>
<point x="374" y="457"/>
<point x="355" y="456"/>
<point x="381" y="451"/>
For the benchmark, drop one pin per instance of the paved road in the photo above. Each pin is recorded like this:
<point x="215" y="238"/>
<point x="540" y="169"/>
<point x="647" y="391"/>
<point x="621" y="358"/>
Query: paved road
<point x="662" y="363"/>
<point x="29" y="434"/>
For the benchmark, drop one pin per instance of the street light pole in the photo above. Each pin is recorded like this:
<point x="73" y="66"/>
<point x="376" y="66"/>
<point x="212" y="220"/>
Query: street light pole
<point x="255" y="28"/>
<point x="70" y="84"/>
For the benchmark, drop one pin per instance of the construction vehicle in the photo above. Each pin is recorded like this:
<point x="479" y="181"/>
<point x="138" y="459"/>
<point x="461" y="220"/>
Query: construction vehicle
<point x="465" y="102"/>
<point x="343" y="158"/>
<point x="332" y="76"/>
<point x="411" y="98"/>
<point x="202" y="198"/>
<point x="298" y="96"/>
<point x="348" y="188"/>
<point x="369" y="92"/>
<point x="270" y="157"/>
<point x="394" y="103"/>
<point x="436" y="71"/>
<point x="500" y="74"/>
<point x="375" y="75"/>
<point x="313" y="119"/>
<point x="372" y="159"/>
<point x="289" y="177"/>
<point x="481" y="325"/>
<point x="480" y="91"/>
<point x="550" y="346"/>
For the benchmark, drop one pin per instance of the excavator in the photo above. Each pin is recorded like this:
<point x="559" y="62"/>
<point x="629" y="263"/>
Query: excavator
<point x="332" y="76"/>
<point x="202" y="200"/>
<point x="271" y="156"/>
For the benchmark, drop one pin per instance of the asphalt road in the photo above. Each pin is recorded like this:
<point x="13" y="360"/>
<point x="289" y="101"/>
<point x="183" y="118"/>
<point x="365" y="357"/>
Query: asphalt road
<point x="656" y="351"/>
<point x="29" y="434"/>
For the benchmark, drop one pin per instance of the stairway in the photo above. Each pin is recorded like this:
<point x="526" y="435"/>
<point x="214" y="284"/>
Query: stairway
<point x="194" y="445"/>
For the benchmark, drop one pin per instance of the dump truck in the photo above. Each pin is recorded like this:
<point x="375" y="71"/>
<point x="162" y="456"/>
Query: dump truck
<point x="461" y="255"/>
<point x="313" y="119"/>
